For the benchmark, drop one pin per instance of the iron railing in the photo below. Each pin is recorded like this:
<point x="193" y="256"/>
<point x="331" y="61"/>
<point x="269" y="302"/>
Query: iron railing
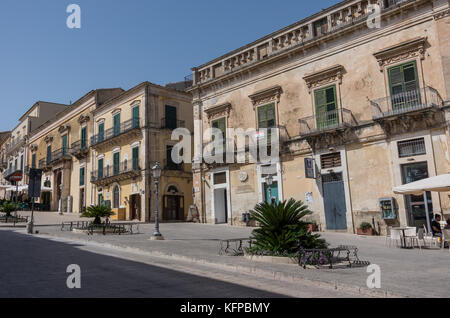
<point x="10" y="171"/>
<point x="79" y="146"/>
<point x="115" y="170"/>
<point x="411" y="148"/>
<point x="43" y="163"/>
<point x="172" y="125"/>
<point x="324" y="121"/>
<point x="406" y="102"/>
<point x="59" y="154"/>
<point x="15" y="144"/>
<point x="115" y="131"/>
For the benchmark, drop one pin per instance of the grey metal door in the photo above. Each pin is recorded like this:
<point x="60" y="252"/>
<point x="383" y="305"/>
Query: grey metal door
<point x="334" y="201"/>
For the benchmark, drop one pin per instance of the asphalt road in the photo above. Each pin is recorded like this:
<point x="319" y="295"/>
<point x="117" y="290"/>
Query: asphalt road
<point x="36" y="267"/>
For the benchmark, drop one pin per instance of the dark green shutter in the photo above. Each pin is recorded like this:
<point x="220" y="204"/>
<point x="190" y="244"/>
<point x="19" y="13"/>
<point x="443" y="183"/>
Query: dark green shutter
<point x="266" y="116"/>
<point x="83" y="138"/>
<point x="101" y="132"/>
<point x="136" y="117"/>
<point x="117" y="124"/>
<point x="49" y="154"/>
<point x="64" y="145"/>
<point x="221" y="125"/>
<point x="326" y="107"/>
<point x="100" y="169"/>
<point x="404" y="86"/>
<point x="171" y="117"/>
<point x="82" y="176"/>
<point x="116" y="163"/>
<point x="33" y="161"/>
<point x="136" y="158"/>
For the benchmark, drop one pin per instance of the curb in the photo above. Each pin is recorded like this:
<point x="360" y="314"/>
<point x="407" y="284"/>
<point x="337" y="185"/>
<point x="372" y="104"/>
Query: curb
<point x="277" y="275"/>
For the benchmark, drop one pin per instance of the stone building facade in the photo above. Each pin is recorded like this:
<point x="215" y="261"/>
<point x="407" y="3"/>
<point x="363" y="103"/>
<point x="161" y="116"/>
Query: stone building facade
<point x="359" y="109"/>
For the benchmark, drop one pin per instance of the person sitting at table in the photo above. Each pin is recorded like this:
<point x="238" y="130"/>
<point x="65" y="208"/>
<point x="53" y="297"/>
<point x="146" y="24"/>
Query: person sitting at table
<point x="436" y="226"/>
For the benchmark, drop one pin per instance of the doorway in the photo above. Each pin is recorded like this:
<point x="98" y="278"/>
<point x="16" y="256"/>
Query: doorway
<point x="135" y="207"/>
<point x="334" y="201"/>
<point x="173" y="208"/>
<point x="220" y="205"/>
<point x="415" y="205"/>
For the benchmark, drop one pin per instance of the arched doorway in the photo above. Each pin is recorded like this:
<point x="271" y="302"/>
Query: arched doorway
<point x="173" y="205"/>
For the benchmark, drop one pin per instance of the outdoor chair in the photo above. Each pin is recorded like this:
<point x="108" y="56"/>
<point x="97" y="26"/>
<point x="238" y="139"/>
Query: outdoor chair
<point x="430" y="237"/>
<point x="411" y="235"/>
<point x="446" y="237"/>
<point x="395" y="236"/>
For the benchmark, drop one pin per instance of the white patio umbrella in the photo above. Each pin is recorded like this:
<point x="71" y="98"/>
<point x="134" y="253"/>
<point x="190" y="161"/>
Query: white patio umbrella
<point x="435" y="184"/>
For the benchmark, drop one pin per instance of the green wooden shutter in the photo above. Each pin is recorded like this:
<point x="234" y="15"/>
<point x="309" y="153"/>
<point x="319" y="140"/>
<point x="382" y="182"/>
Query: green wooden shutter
<point x="404" y="85"/>
<point x="136" y="158"/>
<point x="100" y="169"/>
<point x="171" y="117"/>
<point x="82" y="176"/>
<point x="101" y="131"/>
<point x="49" y="154"/>
<point x="64" y="145"/>
<point x="116" y="163"/>
<point x="221" y="125"/>
<point x="83" y="138"/>
<point x="326" y="107"/>
<point x="266" y="116"/>
<point x="117" y="124"/>
<point x="33" y="161"/>
<point x="135" y="117"/>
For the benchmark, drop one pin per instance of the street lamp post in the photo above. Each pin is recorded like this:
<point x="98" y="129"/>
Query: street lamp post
<point x="269" y="182"/>
<point x="156" y="171"/>
<point x="60" y="200"/>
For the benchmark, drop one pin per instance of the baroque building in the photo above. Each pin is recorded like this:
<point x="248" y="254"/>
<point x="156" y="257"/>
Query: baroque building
<point x="360" y="109"/>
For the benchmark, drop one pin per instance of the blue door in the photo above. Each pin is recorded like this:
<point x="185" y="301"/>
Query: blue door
<point x="334" y="201"/>
<point x="273" y="193"/>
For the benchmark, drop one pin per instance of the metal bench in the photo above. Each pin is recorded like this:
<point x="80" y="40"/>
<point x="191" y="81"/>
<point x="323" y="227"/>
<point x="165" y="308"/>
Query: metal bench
<point x="332" y="257"/>
<point x="233" y="247"/>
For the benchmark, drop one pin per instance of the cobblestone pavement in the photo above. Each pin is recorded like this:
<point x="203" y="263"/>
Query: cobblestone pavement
<point x="410" y="273"/>
<point x="111" y="272"/>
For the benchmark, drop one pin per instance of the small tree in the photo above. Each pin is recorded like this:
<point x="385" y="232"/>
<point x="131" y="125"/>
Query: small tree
<point x="282" y="229"/>
<point x="97" y="212"/>
<point x="8" y="207"/>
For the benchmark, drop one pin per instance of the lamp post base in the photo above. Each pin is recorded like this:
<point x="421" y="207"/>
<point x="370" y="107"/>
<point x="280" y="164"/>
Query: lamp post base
<point x="30" y="226"/>
<point x="157" y="238"/>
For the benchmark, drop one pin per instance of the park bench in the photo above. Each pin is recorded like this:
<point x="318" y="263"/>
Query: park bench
<point x="234" y="247"/>
<point x="342" y="255"/>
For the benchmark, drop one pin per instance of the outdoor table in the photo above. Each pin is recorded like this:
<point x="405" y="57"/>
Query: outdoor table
<point x="403" y="240"/>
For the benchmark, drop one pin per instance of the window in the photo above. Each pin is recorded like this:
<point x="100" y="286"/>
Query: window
<point x="170" y="164"/>
<point x="410" y="148"/>
<point x="100" y="169"/>
<point x="136" y="158"/>
<point x="320" y="27"/>
<point x="15" y="164"/>
<point x="21" y="162"/>
<point x="220" y="178"/>
<point x="116" y="197"/>
<point x="101" y="132"/>
<point x="83" y="138"/>
<point x="49" y="154"/>
<point x="266" y="116"/>
<point x="135" y="117"/>
<point x="171" y="117"/>
<point x="116" y="124"/>
<point x="326" y="107"/>
<point x="330" y="161"/>
<point x="403" y="85"/>
<point x="33" y="161"/>
<point x="221" y="125"/>
<point x="116" y="163"/>
<point x="82" y="176"/>
<point x="64" y="145"/>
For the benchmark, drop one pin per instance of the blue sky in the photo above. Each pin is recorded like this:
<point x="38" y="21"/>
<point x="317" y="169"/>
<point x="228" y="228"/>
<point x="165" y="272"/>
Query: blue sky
<point x="122" y="43"/>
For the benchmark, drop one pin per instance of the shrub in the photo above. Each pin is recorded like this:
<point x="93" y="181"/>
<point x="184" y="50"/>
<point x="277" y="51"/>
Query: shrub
<point x="365" y="226"/>
<point x="282" y="230"/>
<point x="8" y="207"/>
<point x="97" y="212"/>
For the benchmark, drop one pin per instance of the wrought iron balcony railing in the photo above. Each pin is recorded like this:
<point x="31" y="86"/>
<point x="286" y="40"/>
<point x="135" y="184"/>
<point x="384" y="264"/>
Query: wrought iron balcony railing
<point x="59" y="155"/>
<point x="10" y="171"/>
<point x="115" y="170"/>
<point x="115" y="131"/>
<point x="406" y="102"/>
<point x="326" y="121"/>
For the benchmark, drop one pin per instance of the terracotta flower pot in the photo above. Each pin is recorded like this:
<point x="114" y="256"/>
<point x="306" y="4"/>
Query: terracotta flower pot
<point x="368" y="232"/>
<point x="313" y="228"/>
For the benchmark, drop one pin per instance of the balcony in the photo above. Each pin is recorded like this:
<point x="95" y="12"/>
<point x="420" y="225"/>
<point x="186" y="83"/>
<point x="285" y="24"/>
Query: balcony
<point x="124" y="171"/>
<point x="59" y="156"/>
<point x="170" y="126"/>
<point x="124" y="132"/>
<point x="79" y="149"/>
<point x="8" y="173"/>
<point x="327" y="122"/>
<point x="416" y="101"/>
<point x="17" y="144"/>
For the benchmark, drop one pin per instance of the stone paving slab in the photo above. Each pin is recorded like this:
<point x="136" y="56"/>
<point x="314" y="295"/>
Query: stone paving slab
<point x="411" y="273"/>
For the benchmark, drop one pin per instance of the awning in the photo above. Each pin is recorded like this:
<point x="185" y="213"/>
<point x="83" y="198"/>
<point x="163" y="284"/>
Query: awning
<point x="435" y="184"/>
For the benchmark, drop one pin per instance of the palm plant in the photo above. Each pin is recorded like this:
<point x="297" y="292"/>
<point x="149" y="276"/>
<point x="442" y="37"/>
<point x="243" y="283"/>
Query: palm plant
<point x="8" y="207"/>
<point x="282" y="230"/>
<point x="97" y="212"/>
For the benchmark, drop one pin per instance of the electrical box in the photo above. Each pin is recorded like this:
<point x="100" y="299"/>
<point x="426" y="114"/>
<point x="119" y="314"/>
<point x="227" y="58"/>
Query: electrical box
<point x="388" y="209"/>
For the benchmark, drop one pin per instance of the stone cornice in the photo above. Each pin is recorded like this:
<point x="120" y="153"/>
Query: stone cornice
<point x="412" y="48"/>
<point x="271" y="94"/>
<point x="323" y="77"/>
<point x="216" y="111"/>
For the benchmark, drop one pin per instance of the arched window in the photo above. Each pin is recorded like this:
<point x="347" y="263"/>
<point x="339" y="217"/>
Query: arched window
<point x="116" y="197"/>
<point x="172" y="189"/>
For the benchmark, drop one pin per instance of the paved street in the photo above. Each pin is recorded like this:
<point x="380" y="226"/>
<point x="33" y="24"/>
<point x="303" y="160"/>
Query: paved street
<point x="36" y="267"/>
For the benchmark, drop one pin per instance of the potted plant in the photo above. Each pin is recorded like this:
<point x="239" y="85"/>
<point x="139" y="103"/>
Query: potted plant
<point x="8" y="207"/>
<point x="366" y="229"/>
<point x="313" y="227"/>
<point x="97" y="212"/>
